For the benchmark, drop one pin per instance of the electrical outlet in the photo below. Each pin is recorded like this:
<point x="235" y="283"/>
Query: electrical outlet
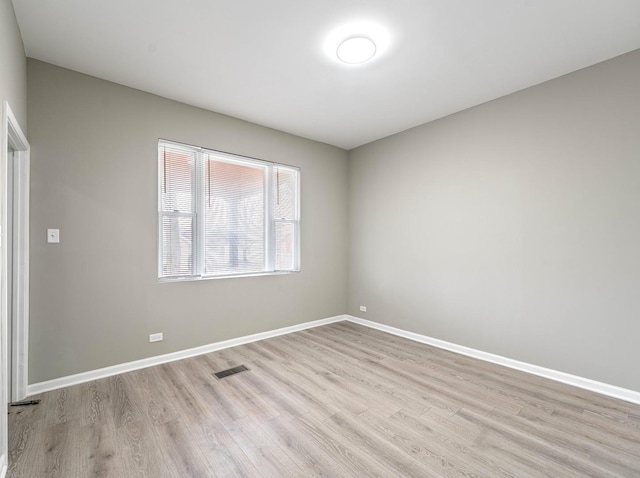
<point x="155" y="337"/>
<point x="363" y="308"/>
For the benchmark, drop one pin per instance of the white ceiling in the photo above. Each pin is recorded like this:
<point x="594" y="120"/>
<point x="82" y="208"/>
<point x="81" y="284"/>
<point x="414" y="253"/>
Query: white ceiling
<point x="264" y="60"/>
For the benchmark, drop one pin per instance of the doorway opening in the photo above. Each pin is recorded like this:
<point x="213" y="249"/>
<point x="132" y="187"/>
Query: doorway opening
<point x="14" y="269"/>
<point x="14" y="258"/>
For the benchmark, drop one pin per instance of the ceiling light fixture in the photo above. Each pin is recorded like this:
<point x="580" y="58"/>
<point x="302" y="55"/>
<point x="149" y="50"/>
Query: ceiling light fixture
<point x="356" y="49"/>
<point x="356" y="43"/>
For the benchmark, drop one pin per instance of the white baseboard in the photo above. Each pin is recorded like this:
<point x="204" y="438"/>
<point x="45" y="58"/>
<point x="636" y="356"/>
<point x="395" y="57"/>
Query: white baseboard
<point x="83" y="377"/>
<point x="3" y="466"/>
<point x="581" y="382"/>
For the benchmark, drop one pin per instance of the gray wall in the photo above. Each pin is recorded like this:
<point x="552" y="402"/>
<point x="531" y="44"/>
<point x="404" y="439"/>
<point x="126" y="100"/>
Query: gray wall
<point x="512" y="227"/>
<point x="95" y="297"/>
<point x="13" y="65"/>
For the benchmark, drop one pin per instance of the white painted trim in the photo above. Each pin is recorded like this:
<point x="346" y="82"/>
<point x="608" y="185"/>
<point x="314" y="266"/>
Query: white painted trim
<point x="19" y="301"/>
<point x="15" y="136"/>
<point x="580" y="382"/>
<point x="584" y="383"/>
<point x="20" y="289"/>
<point x="160" y="359"/>
<point x="12" y="136"/>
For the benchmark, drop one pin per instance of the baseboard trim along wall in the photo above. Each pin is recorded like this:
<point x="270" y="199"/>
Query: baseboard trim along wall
<point x="580" y="382"/>
<point x="83" y="377"/>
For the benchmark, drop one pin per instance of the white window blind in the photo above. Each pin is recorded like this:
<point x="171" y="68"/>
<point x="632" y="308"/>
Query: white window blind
<point x="234" y="222"/>
<point x="177" y="211"/>
<point x="285" y="215"/>
<point x="224" y="215"/>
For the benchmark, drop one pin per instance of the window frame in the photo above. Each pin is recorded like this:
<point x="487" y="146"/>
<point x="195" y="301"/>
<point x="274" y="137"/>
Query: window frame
<point x="198" y="216"/>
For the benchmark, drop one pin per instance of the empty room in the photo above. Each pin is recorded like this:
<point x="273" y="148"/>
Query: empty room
<point x="340" y="238"/>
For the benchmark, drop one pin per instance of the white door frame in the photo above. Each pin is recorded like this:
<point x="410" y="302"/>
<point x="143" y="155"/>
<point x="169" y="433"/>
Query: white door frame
<point x="20" y="261"/>
<point x="12" y="136"/>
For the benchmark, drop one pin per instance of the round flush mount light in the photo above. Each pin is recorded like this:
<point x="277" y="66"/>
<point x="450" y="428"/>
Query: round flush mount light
<point x="356" y="43"/>
<point x="356" y="49"/>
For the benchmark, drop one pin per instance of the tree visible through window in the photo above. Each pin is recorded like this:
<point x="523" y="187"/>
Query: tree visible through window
<point x="225" y="215"/>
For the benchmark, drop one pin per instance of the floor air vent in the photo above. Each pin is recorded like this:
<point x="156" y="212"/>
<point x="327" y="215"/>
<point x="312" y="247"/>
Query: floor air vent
<point x="231" y="371"/>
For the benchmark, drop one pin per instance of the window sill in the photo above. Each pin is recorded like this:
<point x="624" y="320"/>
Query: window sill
<point x="233" y="276"/>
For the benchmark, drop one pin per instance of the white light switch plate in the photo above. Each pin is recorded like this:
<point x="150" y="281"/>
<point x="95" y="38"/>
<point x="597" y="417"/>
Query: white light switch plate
<point x="53" y="236"/>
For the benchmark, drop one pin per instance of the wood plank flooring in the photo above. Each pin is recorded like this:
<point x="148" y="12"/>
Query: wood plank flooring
<point x="339" y="400"/>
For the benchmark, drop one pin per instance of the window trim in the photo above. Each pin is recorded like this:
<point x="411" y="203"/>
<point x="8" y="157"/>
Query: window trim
<point x="198" y="217"/>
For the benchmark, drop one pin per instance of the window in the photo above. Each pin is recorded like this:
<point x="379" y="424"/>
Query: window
<point x="222" y="215"/>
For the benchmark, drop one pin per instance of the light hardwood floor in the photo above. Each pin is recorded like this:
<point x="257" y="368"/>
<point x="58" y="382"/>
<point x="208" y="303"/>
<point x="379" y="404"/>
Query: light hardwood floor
<point x="338" y="400"/>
